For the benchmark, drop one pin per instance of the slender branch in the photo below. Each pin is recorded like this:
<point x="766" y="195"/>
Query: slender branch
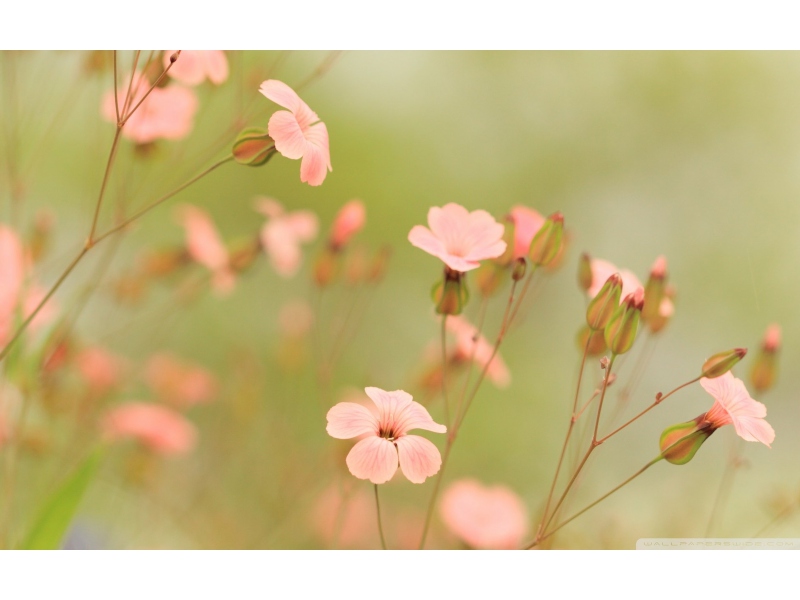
<point x="116" y="93"/>
<point x="436" y="486"/>
<point x="152" y="87"/>
<point x="380" y="526"/>
<point x="444" y="372"/>
<point x="109" y="163"/>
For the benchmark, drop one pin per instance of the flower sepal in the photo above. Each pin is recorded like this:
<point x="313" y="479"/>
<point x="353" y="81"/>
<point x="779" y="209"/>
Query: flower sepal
<point x="253" y="147"/>
<point x="450" y="295"/>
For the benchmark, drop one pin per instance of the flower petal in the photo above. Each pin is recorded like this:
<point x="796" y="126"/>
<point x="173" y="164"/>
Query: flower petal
<point x="216" y="66"/>
<point x="423" y="238"/>
<point x="285" y="130"/>
<point x="282" y="94"/>
<point x="202" y="240"/>
<point x="416" y="416"/>
<point x="754" y="429"/>
<point x="348" y="420"/>
<point x="419" y="458"/>
<point x="373" y="458"/>
<point x="313" y="169"/>
<point x="390" y="404"/>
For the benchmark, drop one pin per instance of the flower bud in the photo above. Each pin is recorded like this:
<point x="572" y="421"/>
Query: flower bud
<point x="253" y="147"/>
<point x="326" y="267"/>
<point x="654" y="290"/>
<point x="547" y="242"/>
<point x="518" y="270"/>
<point x="585" y="276"/>
<point x="596" y="341"/>
<point x="620" y="332"/>
<point x="722" y="362"/>
<point x="679" y="443"/>
<point x="603" y="305"/>
<point x="349" y="221"/>
<point x="450" y="296"/>
<point x="765" y="367"/>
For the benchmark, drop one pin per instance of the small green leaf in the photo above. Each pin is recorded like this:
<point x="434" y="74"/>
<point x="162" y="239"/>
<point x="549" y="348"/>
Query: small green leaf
<point x="57" y="512"/>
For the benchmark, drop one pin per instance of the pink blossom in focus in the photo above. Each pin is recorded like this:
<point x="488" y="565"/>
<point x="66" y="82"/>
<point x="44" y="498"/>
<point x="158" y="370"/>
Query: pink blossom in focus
<point x="375" y="457"/>
<point x="298" y="132"/>
<point x="471" y="344"/>
<point x="488" y="518"/>
<point x="206" y="248"/>
<point x="12" y="273"/>
<point x="283" y="233"/>
<point x="101" y="369"/>
<point x="349" y="221"/>
<point x="159" y="428"/>
<point x="193" y="67"/>
<point x="459" y="237"/>
<point x="733" y="404"/>
<point x="527" y="223"/>
<point x="178" y="382"/>
<point x="166" y="113"/>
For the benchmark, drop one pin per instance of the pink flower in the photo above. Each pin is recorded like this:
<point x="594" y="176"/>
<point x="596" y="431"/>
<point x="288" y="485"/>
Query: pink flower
<point x="602" y="270"/>
<point x="459" y="237"/>
<point x="283" y="233"/>
<point x="349" y="221"/>
<point x="298" y="132"/>
<point x="166" y="113"/>
<point x="205" y="247"/>
<point x="772" y="338"/>
<point x="195" y="66"/>
<point x="178" y="382"/>
<point x="159" y="428"/>
<point x="479" y="349"/>
<point x="46" y="315"/>
<point x="489" y="518"/>
<point x="12" y="274"/>
<point x="733" y="404"/>
<point x="99" y="368"/>
<point x="527" y="223"/>
<point x="375" y="457"/>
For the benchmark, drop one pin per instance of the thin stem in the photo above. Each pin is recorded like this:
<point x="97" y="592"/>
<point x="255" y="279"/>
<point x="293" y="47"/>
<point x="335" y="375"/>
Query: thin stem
<point x="109" y="163"/>
<point x="444" y="372"/>
<point x="129" y="92"/>
<point x="572" y="421"/>
<point x="470" y="363"/>
<point x="152" y="87"/>
<point x="380" y="526"/>
<point x="116" y="93"/>
<point x="600" y="499"/>
<point x="436" y="486"/>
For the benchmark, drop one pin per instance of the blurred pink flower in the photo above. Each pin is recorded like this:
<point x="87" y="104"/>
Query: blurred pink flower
<point x="101" y="369"/>
<point x="733" y="404"/>
<point x="376" y="456"/>
<point x="459" y="237"/>
<point x="12" y="273"/>
<point x="193" y="67"/>
<point x="349" y="221"/>
<point x="283" y="233"/>
<point x="527" y="223"/>
<point x="166" y="113"/>
<point x="602" y="270"/>
<point x="178" y="382"/>
<point x="488" y="518"/>
<point x="772" y="338"/>
<point x="479" y="349"/>
<point x="159" y="428"/>
<point x="298" y="132"/>
<point x="206" y="248"/>
<point x="34" y="295"/>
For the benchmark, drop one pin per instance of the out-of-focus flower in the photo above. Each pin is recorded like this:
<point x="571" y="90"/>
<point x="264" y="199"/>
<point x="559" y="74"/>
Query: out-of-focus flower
<point x="733" y="404"/>
<point x="193" y="67"/>
<point x="349" y="220"/>
<point x="206" y="248"/>
<point x="526" y="223"/>
<point x="283" y="233"/>
<point x="343" y="516"/>
<point x="167" y="113"/>
<point x="298" y="132"/>
<point x="158" y="428"/>
<point x="472" y="345"/>
<point x="602" y="270"/>
<point x="375" y="457"/>
<point x="487" y="518"/>
<point x="765" y="367"/>
<point x="34" y="295"/>
<point x="295" y="319"/>
<point x="101" y="369"/>
<point x="458" y="237"/>
<point x="12" y="273"/>
<point x="178" y="382"/>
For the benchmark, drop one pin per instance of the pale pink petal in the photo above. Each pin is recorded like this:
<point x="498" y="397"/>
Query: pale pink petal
<point x="484" y="517"/>
<point x="470" y="345"/>
<point x="189" y="69"/>
<point x="166" y="113"/>
<point x="423" y="238"/>
<point x="448" y="222"/>
<point x="312" y="167"/>
<point x="482" y="237"/>
<point x="754" y="430"/>
<point x="373" y="458"/>
<point x="282" y="246"/>
<point x="419" y="458"/>
<point x="348" y="420"/>
<point x="269" y="207"/>
<point x="733" y="404"/>
<point x="304" y="224"/>
<point x="157" y="427"/>
<point x="216" y="66"/>
<point x="390" y="404"/>
<point x="527" y="223"/>
<point x="416" y="416"/>
<point x="179" y="383"/>
<point x="349" y="220"/>
<point x="281" y="94"/>
<point x="12" y="269"/>
<point x="289" y="139"/>
<point x="202" y="240"/>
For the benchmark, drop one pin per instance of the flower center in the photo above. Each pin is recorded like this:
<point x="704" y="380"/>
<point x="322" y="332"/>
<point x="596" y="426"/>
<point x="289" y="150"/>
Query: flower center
<point x="387" y="433"/>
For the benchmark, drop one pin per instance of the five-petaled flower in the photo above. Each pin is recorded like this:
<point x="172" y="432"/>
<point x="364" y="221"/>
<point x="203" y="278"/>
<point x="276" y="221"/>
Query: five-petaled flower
<point x="298" y="132"/>
<point x="733" y="404"/>
<point x="459" y="237"/>
<point x="386" y="440"/>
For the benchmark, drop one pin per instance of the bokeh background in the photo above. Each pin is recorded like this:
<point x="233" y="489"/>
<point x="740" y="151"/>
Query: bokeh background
<point x="692" y="155"/>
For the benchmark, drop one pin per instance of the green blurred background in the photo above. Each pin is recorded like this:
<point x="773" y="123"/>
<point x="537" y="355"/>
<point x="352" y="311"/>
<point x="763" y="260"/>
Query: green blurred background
<point x="693" y="155"/>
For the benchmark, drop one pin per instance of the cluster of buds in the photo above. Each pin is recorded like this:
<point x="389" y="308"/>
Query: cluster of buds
<point x="610" y="323"/>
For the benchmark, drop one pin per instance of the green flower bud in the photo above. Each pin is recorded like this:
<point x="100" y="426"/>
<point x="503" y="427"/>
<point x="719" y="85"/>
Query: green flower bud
<point x="679" y="443"/>
<point x="722" y="362"/>
<point x="451" y="295"/>
<point x="253" y="147"/>
<point x="620" y="332"/>
<point x="603" y="305"/>
<point x="547" y="241"/>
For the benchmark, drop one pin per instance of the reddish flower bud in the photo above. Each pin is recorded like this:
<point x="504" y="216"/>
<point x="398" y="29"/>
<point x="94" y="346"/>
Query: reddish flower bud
<point x="518" y="271"/>
<point x="548" y="240"/>
<point x="620" y="332"/>
<point x="349" y="221"/>
<point x="603" y="305"/>
<point x="765" y="367"/>
<point x="253" y="147"/>
<point x="722" y="362"/>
